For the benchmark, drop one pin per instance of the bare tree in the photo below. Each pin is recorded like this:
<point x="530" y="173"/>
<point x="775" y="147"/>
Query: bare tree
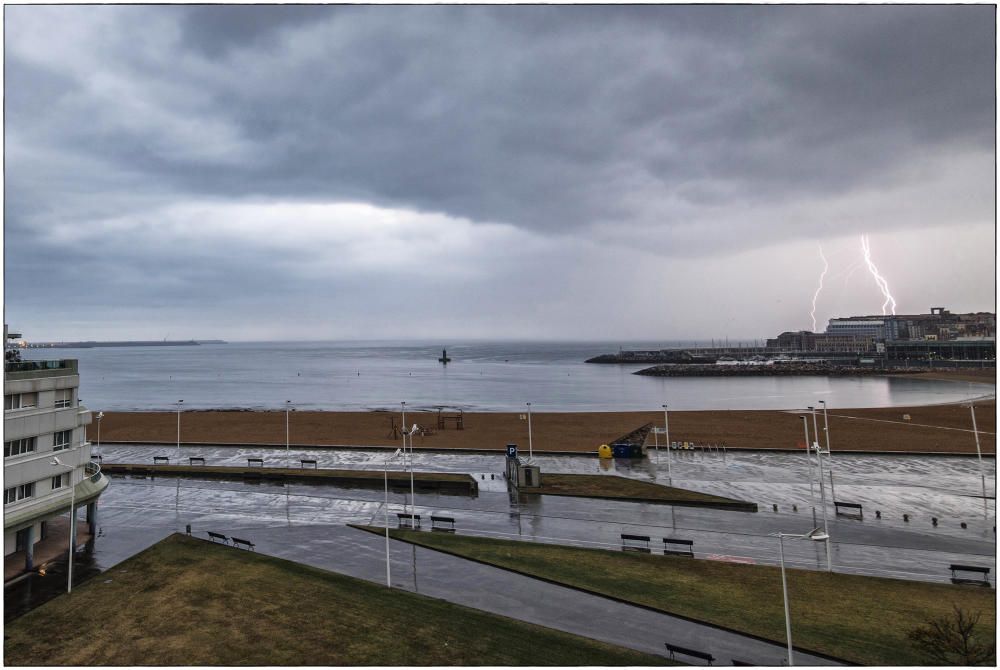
<point x="952" y="640"/>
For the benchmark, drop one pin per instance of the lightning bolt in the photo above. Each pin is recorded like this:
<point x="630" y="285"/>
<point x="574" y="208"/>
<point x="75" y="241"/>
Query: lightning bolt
<point x="826" y="266"/>
<point x="879" y="279"/>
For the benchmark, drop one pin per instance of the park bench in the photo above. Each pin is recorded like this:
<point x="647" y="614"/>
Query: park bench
<point x="444" y="523"/>
<point x="249" y="545"/>
<point x="161" y="459"/>
<point x="737" y="662"/>
<point x="635" y="543"/>
<point x="308" y="461"/>
<point x="196" y="460"/>
<point x="672" y="547"/>
<point x="99" y="458"/>
<point x="985" y="581"/>
<point x="694" y="653"/>
<point x="859" y="514"/>
<point x="217" y="536"/>
<point x="255" y="461"/>
<point x="408" y="520"/>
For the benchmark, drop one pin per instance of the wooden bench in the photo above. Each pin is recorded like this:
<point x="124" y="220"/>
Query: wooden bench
<point x="985" y="581"/>
<point x="217" y="536"/>
<point x="196" y="460"/>
<point x="249" y="545"/>
<point x="308" y="461"/>
<point x="443" y="523"/>
<point x="694" y="653"/>
<point x="669" y="548"/>
<point x="635" y="543"/>
<point x="409" y="520"/>
<point x="855" y="506"/>
<point x="255" y="461"/>
<point x="161" y="459"/>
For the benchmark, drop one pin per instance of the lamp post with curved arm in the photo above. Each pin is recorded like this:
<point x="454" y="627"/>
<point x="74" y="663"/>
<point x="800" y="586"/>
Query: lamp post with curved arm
<point x="56" y="463"/>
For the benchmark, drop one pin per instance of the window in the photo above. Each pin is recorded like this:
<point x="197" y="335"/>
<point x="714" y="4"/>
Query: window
<point x="15" y="493"/>
<point x="18" y="447"/>
<point x="64" y="398"/>
<point x="20" y="400"/>
<point x="57" y="482"/>
<point x="61" y="440"/>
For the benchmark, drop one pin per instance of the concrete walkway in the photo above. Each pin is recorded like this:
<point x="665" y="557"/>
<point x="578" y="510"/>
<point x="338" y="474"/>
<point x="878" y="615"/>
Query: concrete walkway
<point x="362" y="554"/>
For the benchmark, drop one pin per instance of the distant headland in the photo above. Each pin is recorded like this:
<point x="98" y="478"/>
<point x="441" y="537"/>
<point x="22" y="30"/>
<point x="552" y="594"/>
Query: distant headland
<point x="90" y="344"/>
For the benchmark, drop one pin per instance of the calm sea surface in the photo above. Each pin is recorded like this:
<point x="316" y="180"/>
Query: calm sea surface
<point x="483" y="376"/>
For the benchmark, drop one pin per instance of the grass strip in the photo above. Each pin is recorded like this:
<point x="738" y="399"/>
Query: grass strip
<point x="188" y="602"/>
<point x="623" y="488"/>
<point x="857" y="618"/>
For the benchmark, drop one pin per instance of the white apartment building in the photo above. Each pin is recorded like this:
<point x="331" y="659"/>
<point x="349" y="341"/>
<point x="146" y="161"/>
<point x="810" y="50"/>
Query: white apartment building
<point x="43" y="421"/>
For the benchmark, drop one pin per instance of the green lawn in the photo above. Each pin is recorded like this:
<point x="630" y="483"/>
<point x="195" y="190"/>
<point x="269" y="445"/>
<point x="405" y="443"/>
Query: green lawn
<point x="860" y="619"/>
<point x="625" y="488"/>
<point x="188" y="602"/>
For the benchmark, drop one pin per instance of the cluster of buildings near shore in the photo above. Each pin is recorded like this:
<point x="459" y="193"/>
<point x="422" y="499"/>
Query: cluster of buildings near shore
<point x="939" y="334"/>
<point x="938" y="338"/>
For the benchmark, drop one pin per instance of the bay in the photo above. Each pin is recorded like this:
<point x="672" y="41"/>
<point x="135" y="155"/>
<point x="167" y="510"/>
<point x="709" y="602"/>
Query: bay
<point x="482" y="376"/>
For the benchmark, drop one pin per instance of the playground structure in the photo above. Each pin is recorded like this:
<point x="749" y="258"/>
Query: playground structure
<point x="443" y="419"/>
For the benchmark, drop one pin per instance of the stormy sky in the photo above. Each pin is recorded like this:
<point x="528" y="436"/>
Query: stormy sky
<point x="557" y="172"/>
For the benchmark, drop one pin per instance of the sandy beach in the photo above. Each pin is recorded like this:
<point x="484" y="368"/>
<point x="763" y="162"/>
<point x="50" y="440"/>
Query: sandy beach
<point x="933" y="428"/>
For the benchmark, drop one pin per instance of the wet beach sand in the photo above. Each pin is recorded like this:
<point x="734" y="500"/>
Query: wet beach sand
<point x="932" y="428"/>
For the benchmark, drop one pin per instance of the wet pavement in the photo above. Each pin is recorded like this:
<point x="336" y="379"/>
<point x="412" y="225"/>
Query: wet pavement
<point x="305" y="522"/>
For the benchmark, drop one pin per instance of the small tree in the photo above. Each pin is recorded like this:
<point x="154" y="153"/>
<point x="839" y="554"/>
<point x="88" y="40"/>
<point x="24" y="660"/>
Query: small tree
<point x="952" y="640"/>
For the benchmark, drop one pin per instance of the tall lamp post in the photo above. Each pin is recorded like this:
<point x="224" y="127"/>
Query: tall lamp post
<point x="666" y="430"/>
<point x="179" y="404"/>
<point x="829" y="453"/>
<point x="975" y="431"/>
<point x="100" y="415"/>
<point x="402" y="432"/>
<point x="56" y="463"/>
<point x="288" y="462"/>
<point x="822" y="490"/>
<point x="388" y="573"/>
<point x="529" y="432"/>
<point x="812" y="497"/>
<point x="814" y="535"/>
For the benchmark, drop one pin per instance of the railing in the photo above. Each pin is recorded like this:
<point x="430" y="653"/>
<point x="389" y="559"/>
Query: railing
<point x="94" y="470"/>
<point x="31" y="366"/>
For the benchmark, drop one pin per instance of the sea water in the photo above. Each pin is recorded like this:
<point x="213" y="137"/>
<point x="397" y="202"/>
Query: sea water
<point x="482" y="376"/>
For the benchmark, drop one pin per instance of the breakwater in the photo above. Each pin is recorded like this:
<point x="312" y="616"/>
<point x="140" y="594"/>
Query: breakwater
<point x="779" y="370"/>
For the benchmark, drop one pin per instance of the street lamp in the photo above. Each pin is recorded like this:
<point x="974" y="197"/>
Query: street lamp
<point x="179" y="404"/>
<point x="288" y="462"/>
<point x="982" y="474"/>
<point x="388" y="580"/>
<point x="666" y="430"/>
<point x="100" y="415"/>
<point x="413" y="500"/>
<point x="812" y="497"/>
<point x="822" y="490"/>
<point x="529" y="431"/>
<point x="829" y="454"/>
<point x="814" y="535"/>
<point x="56" y="463"/>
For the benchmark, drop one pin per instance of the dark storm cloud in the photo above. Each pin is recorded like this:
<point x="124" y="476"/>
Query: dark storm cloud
<point x="551" y="117"/>
<point x="691" y="130"/>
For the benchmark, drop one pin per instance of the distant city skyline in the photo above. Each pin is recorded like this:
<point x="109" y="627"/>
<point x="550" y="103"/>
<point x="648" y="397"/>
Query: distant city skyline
<point x="575" y="173"/>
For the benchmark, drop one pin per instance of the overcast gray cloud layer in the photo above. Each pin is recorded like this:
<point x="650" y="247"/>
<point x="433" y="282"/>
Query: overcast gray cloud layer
<point x="206" y="163"/>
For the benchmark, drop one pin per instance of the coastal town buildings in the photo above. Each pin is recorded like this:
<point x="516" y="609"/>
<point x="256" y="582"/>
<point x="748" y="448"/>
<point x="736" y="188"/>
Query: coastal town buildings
<point x="937" y="335"/>
<point x="47" y="460"/>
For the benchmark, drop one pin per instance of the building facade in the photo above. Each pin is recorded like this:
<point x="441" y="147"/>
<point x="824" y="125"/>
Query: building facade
<point x="47" y="461"/>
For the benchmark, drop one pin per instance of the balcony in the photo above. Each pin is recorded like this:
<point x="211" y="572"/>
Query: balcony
<point x="34" y="369"/>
